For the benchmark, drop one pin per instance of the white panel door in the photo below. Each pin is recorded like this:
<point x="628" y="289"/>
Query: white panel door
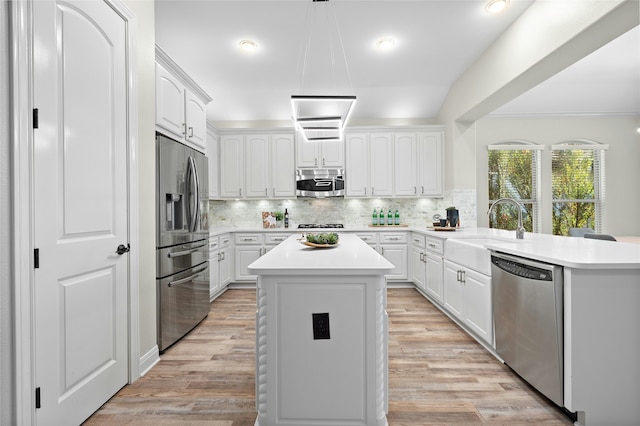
<point x="80" y="208"/>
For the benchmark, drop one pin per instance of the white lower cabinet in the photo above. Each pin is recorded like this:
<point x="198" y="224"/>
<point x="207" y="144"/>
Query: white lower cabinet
<point x="426" y="263"/>
<point x="393" y="246"/>
<point x="467" y="296"/>
<point x="220" y="260"/>
<point x="249" y="248"/>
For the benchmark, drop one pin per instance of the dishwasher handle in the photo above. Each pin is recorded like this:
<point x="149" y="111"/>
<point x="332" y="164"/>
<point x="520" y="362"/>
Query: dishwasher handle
<point x="522" y="270"/>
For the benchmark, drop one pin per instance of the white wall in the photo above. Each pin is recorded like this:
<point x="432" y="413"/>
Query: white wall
<point x="621" y="164"/>
<point x="145" y="66"/>
<point x="7" y="383"/>
<point x="563" y="35"/>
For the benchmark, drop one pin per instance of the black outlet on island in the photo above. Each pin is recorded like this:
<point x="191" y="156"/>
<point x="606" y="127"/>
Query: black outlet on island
<point x="321" y="326"/>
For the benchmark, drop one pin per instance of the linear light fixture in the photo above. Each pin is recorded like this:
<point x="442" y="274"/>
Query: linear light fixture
<point x="316" y="116"/>
<point x="321" y="117"/>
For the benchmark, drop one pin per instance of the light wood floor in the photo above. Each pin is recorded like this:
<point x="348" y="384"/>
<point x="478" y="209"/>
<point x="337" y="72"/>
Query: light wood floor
<point x="437" y="374"/>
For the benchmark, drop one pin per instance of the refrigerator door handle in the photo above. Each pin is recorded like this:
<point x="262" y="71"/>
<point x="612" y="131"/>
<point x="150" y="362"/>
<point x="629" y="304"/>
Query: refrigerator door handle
<point x="191" y="182"/>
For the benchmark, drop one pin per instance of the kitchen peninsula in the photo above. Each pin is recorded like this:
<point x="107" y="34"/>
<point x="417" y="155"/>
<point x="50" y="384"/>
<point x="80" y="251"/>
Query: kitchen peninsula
<point x="321" y="334"/>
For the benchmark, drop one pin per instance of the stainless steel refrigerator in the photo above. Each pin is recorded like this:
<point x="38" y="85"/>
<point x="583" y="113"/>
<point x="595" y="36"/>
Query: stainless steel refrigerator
<point x="182" y="240"/>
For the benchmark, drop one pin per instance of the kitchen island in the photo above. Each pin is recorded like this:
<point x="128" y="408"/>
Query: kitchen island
<point x="321" y="334"/>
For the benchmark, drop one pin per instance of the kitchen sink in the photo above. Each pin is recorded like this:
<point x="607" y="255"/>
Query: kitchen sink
<point x="471" y="252"/>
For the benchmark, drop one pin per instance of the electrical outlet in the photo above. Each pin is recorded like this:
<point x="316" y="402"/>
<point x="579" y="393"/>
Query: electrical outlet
<point x="321" y="326"/>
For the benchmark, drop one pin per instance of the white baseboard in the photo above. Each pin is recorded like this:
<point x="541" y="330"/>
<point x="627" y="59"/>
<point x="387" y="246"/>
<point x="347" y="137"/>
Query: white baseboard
<point x="148" y="360"/>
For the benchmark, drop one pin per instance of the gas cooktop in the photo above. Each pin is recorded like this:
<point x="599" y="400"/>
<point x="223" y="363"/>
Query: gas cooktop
<point x="316" y="225"/>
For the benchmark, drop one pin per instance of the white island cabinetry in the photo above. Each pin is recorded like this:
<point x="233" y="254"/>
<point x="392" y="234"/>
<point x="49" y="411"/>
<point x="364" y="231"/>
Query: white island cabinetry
<point x="321" y="333"/>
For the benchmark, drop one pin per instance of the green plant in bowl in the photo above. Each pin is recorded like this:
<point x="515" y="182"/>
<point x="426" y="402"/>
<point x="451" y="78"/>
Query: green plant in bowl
<point x="330" y="238"/>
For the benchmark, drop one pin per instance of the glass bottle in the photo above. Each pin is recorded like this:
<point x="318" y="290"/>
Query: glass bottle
<point x="381" y="217"/>
<point x="374" y="217"/>
<point x="389" y="218"/>
<point x="397" y="217"/>
<point x="286" y="218"/>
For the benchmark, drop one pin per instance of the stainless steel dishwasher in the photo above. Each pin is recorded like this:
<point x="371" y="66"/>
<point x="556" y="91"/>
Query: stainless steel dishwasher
<point x="528" y="321"/>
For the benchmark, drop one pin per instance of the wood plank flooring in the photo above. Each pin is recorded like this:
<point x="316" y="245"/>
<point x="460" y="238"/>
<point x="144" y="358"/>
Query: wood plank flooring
<point x="438" y="375"/>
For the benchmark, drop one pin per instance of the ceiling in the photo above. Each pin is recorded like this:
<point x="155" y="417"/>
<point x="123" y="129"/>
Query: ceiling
<point x="436" y="41"/>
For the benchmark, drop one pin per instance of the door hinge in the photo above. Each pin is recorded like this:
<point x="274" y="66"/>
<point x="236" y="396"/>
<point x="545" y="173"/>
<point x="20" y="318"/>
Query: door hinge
<point x="37" y="397"/>
<point x="36" y="258"/>
<point x="35" y="118"/>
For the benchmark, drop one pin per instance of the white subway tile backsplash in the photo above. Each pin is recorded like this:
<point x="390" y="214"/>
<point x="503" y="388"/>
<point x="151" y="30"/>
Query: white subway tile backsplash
<point x="353" y="212"/>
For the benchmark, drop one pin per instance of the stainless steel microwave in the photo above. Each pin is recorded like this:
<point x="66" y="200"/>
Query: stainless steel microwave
<point x="320" y="183"/>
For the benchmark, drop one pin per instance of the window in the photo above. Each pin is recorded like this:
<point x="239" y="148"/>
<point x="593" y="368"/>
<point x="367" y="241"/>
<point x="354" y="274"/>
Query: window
<point x="514" y="172"/>
<point x="578" y="187"/>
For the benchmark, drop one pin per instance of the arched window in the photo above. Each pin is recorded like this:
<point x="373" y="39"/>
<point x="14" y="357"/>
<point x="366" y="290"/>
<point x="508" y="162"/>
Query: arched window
<point x="514" y="172"/>
<point x="578" y="185"/>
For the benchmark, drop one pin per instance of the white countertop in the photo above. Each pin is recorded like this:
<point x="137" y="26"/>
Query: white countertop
<point x="572" y="252"/>
<point x="566" y="251"/>
<point x="351" y="256"/>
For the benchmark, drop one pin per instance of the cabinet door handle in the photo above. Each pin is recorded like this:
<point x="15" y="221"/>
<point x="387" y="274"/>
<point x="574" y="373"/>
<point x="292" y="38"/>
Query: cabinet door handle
<point x="382" y="251"/>
<point x="422" y="189"/>
<point x="240" y="191"/>
<point x="365" y="190"/>
<point x="373" y="190"/>
<point x="421" y="257"/>
<point x="323" y="161"/>
<point x="315" y="161"/>
<point x="190" y="132"/>
<point x="219" y="257"/>
<point x="415" y="190"/>
<point x="266" y="192"/>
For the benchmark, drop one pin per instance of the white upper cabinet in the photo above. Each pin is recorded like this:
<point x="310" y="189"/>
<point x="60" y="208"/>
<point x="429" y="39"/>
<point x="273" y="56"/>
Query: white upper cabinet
<point x="406" y="165"/>
<point x="395" y="164"/>
<point x="231" y="166"/>
<point x="430" y="164"/>
<point x="381" y="164"/>
<point x="214" y="164"/>
<point x="283" y="180"/>
<point x="169" y="103"/>
<point x="195" y="119"/>
<point x="320" y="154"/>
<point x="368" y="167"/>
<point x="180" y="104"/>
<point x="357" y="169"/>
<point x="257" y="166"/>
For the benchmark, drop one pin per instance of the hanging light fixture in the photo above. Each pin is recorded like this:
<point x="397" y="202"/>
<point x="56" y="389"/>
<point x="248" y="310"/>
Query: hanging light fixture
<point x="317" y="115"/>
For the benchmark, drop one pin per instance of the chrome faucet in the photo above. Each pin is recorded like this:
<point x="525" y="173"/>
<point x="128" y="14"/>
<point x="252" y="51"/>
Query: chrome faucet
<point x="520" y="228"/>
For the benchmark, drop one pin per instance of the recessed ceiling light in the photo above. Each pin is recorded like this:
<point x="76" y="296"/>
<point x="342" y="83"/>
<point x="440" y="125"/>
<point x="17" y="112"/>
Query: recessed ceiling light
<point x="496" y="6"/>
<point x="385" y="43"/>
<point x="248" y="45"/>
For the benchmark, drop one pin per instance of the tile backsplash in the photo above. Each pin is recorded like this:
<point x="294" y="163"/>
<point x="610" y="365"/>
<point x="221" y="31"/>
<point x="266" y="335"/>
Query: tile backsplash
<point x="352" y="212"/>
